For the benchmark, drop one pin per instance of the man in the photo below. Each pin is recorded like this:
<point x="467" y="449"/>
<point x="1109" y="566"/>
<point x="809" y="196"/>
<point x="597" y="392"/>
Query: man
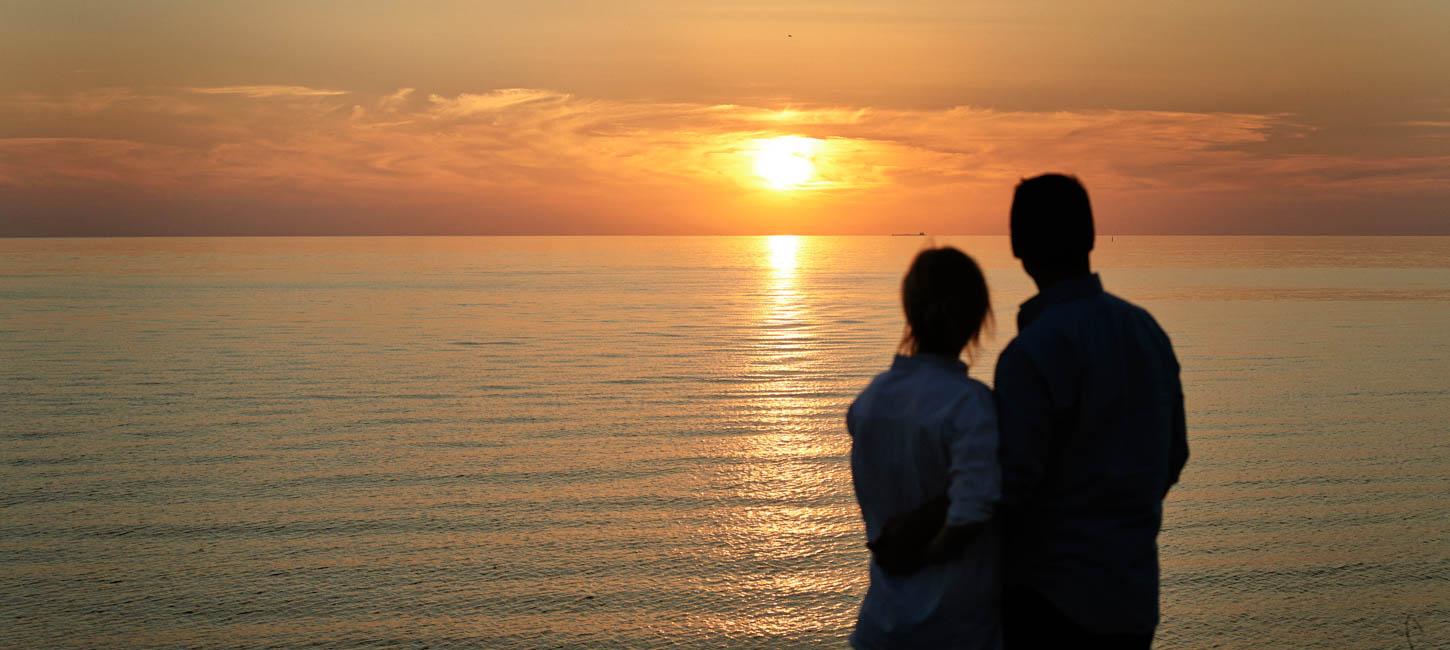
<point x="1092" y="437"/>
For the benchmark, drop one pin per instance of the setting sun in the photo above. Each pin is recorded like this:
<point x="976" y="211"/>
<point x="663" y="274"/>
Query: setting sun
<point x="786" y="162"/>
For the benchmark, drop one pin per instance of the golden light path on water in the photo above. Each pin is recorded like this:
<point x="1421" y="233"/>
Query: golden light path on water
<point x="793" y="474"/>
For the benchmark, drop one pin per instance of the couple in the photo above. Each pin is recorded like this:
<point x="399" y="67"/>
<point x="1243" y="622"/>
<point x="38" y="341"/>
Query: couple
<point x="1029" y="517"/>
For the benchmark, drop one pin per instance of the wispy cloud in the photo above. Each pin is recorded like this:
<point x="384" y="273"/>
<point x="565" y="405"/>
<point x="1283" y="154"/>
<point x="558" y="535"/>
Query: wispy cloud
<point x="265" y="91"/>
<point x="630" y="166"/>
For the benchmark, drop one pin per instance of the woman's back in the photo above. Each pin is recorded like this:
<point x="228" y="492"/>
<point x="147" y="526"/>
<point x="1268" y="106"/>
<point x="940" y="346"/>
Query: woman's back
<point x="920" y="431"/>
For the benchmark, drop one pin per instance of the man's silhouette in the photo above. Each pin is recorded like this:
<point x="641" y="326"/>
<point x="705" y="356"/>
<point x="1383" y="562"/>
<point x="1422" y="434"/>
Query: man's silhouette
<point x="1092" y="437"/>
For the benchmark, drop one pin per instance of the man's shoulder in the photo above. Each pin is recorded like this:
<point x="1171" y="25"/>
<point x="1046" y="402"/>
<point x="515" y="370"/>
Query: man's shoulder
<point x="1015" y="352"/>
<point x="1051" y="328"/>
<point x="1060" y="329"/>
<point x="1114" y="301"/>
<point x="1070" y="315"/>
<point x="1136" y="312"/>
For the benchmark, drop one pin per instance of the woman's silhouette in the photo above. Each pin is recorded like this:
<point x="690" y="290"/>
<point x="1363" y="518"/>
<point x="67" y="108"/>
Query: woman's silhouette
<point x="924" y="464"/>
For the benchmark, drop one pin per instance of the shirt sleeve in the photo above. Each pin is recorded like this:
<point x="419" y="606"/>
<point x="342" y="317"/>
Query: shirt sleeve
<point x="1024" y="409"/>
<point x="975" y="482"/>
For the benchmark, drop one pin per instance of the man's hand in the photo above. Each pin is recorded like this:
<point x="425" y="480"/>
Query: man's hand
<point x="905" y="543"/>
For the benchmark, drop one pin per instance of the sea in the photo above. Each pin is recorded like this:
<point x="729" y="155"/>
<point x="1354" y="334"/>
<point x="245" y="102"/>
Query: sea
<point x="638" y="442"/>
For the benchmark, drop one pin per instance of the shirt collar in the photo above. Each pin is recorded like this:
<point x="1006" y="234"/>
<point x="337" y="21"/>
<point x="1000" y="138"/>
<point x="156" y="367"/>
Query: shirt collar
<point x="1067" y="290"/>
<point x="927" y="360"/>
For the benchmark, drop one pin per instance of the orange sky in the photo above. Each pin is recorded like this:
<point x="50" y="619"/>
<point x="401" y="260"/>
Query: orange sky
<point x="648" y="116"/>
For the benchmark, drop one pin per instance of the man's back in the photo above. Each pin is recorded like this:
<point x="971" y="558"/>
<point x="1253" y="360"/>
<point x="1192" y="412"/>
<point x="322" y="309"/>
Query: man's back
<point x="1092" y="436"/>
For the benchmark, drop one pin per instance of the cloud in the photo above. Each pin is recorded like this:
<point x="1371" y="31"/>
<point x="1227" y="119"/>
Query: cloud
<point x="266" y="91"/>
<point x="487" y="160"/>
<point x="89" y="102"/>
<point x="493" y="102"/>
<point x="396" y="101"/>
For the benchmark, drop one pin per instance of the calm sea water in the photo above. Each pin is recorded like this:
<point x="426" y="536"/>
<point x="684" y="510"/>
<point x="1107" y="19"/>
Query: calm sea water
<point x="638" y="442"/>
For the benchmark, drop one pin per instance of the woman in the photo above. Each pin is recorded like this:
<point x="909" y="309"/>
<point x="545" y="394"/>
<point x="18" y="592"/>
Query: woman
<point x="924" y="465"/>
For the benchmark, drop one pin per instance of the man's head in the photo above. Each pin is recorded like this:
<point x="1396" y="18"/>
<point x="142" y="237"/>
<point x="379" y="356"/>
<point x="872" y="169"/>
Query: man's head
<point x="1052" y="226"/>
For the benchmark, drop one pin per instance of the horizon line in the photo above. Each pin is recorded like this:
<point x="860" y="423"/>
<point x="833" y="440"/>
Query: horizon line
<point x="765" y="234"/>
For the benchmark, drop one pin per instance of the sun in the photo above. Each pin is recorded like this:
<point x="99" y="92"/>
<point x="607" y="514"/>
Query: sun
<point x="786" y="162"/>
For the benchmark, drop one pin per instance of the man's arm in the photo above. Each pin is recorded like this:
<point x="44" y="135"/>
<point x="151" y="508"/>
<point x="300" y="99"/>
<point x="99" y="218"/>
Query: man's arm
<point x="951" y="540"/>
<point x="1024" y="415"/>
<point x="905" y="540"/>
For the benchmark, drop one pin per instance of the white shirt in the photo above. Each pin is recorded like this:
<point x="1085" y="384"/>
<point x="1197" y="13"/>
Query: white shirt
<point x="921" y="429"/>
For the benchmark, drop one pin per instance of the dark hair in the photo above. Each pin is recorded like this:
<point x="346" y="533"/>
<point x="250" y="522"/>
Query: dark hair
<point x="1051" y="219"/>
<point x="945" y="297"/>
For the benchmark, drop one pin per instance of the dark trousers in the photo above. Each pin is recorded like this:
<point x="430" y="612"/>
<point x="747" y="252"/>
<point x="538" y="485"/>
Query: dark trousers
<point x="1031" y="621"/>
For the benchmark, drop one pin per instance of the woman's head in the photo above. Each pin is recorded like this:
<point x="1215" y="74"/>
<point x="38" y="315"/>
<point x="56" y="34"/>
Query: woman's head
<point x="946" y="302"/>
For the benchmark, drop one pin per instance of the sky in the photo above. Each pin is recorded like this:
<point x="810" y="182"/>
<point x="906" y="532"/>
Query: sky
<point x="304" y="117"/>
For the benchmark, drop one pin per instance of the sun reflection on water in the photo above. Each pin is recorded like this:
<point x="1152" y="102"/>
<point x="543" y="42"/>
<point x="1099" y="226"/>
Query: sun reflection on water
<point x="783" y="322"/>
<point x="789" y="458"/>
<point x="788" y="502"/>
<point x="791" y="483"/>
<point x="783" y="251"/>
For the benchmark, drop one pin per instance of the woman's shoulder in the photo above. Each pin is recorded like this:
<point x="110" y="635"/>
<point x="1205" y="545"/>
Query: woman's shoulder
<point x="977" y="385"/>
<point x="868" y="400"/>
<point x="973" y="407"/>
<point x="961" y="396"/>
<point x="929" y="390"/>
<point x="979" y="389"/>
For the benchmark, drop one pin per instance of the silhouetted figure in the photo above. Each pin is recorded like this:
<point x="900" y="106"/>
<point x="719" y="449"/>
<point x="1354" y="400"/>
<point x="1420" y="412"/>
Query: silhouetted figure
<point x="1092" y="437"/>
<point x="924" y="466"/>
